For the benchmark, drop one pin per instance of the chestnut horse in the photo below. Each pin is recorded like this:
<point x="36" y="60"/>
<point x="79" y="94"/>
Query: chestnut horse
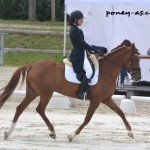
<point x="43" y="78"/>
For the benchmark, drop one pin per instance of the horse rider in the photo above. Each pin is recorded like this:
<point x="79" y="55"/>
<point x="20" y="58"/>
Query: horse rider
<point x="78" y="51"/>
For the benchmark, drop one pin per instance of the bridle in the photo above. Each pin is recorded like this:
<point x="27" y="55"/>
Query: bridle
<point x="131" y="69"/>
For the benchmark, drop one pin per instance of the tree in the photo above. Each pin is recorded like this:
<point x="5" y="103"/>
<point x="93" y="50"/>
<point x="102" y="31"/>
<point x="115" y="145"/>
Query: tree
<point x="53" y="16"/>
<point x="32" y="10"/>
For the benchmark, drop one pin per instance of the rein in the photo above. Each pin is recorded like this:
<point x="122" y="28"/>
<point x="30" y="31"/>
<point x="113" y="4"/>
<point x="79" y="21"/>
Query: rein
<point x="112" y="62"/>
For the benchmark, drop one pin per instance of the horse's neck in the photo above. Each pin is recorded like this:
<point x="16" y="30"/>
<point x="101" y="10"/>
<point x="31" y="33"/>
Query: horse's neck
<point x="121" y="56"/>
<point x="112" y="64"/>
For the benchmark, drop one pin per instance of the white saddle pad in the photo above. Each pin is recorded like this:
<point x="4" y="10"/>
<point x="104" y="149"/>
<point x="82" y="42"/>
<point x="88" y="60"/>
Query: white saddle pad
<point x="70" y="75"/>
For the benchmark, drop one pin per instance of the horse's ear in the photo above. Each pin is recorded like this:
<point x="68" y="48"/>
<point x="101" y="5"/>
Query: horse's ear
<point x="134" y="49"/>
<point x="133" y="45"/>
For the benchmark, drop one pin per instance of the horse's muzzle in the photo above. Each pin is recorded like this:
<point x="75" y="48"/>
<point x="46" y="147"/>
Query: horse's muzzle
<point x="136" y="75"/>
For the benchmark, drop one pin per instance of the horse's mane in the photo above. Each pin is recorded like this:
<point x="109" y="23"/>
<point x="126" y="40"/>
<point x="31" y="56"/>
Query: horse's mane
<point x="115" y="50"/>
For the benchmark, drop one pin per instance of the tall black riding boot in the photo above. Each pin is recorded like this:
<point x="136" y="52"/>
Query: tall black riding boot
<point x="84" y="88"/>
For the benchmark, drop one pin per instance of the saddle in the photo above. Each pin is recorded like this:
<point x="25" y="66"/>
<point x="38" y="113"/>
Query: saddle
<point x="93" y="58"/>
<point x="70" y="75"/>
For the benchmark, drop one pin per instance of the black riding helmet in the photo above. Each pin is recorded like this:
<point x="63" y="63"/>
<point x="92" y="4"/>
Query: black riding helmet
<point x="75" y="15"/>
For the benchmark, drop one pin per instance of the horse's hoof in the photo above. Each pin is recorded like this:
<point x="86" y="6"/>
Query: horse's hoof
<point x="5" y="135"/>
<point x="70" y="138"/>
<point x="53" y="136"/>
<point x="130" y="134"/>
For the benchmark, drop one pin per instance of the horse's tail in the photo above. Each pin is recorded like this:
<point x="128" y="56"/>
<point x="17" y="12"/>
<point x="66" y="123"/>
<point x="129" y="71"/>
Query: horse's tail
<point x="10" y="87"/>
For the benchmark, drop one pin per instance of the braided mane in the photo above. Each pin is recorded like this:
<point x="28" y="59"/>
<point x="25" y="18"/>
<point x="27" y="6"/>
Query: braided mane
<point x="115" y="50"/>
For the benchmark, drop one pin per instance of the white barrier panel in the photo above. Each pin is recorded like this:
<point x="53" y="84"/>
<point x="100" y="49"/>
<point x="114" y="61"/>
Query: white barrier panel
<point x="62" y="101"/>
<point x="140" y="98"/>
<point x="118" y="97"/>
<point x="19" y="92"/>
<point x="23" y="92"/>
<point x="58" y="101"/>
<point x="72" y="102"/>
<point x="128" y="106"/>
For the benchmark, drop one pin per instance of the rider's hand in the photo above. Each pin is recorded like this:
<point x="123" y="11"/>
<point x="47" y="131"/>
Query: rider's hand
<point x="98" y="52"/>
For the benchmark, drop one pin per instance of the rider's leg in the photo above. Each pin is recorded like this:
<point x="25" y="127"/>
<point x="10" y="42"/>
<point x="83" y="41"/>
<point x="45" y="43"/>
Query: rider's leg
<point x="84" y="85"/>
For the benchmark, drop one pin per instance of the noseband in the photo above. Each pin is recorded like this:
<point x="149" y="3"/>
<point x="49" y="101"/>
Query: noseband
<point x="132" y="68"/>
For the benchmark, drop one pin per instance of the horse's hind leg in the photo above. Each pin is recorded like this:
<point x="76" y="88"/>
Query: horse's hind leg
<point x="44" y="99"/>
<point x="30" y="95"/>
<point x="111" y="104"/>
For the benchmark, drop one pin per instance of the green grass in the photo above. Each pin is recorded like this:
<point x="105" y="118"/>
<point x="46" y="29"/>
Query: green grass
<point x="19" y="59"/>
<point x="33" y="41"/>
<point x="32" y="25"/>
<point x="36" y="42"/>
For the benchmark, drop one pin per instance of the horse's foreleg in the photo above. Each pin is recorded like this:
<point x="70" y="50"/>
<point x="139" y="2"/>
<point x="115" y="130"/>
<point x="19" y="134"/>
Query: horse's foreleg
<point x="111" y="104"/>
<point x="20" y="108"/>
<point x="93" y="106"/>
<point x="41" y="110"/>
<point x="11" y="129"/>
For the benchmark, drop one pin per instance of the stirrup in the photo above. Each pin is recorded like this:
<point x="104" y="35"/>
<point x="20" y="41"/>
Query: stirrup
<point x="82" y="96"/>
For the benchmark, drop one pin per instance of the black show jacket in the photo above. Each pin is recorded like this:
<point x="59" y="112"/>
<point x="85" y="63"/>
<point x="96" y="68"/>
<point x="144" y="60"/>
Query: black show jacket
<point x="79" y="46"/>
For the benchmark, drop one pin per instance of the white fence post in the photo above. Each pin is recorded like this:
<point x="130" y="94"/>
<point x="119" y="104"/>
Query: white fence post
<point x="2" y="48"/>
